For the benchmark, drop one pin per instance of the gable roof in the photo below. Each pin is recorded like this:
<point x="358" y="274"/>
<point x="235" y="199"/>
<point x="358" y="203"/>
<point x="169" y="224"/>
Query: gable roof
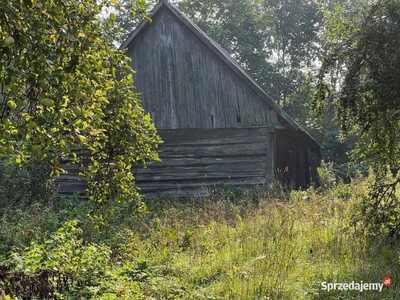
<point x="222" y="54"/>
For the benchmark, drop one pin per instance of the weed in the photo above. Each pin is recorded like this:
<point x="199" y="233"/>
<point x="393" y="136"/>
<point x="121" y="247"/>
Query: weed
<point x="224" y="246"/>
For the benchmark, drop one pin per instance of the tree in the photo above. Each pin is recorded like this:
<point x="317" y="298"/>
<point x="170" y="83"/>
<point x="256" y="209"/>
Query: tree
<point x="295" y="35"/>
<point x="123" y="18"/>
<point x="368" y="98"/>
<point x="63" y="88"/>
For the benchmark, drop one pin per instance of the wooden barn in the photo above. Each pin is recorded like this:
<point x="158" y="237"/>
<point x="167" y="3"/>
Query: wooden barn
<point x="219" y="127"/>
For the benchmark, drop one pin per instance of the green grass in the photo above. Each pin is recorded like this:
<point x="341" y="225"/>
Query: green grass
<point x="270" y="250"/>
<point x="235" y="245"/>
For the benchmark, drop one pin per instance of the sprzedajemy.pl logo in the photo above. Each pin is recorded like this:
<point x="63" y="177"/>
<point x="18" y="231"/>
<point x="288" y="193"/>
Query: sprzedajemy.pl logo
<point x="356" y="286"/>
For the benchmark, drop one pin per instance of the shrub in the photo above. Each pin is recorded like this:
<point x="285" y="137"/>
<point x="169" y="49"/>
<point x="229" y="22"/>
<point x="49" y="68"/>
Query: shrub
<point x="23" y="186"/>
<point x="326" y="176"/>
<point x="379" y="207"/>
<point x="61" y="265"/>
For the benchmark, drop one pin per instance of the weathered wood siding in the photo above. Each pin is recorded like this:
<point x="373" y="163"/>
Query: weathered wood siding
<point x="184" y="84"/>
<point x="195" y="161"/>
<point x="69" y="184"/>
<point x="291" y="160"/>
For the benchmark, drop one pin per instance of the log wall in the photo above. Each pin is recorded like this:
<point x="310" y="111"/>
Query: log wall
<point x="195" y="161"/>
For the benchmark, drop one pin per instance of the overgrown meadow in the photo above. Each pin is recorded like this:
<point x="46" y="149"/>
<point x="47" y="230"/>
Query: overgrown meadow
<point x="233" y="244"/>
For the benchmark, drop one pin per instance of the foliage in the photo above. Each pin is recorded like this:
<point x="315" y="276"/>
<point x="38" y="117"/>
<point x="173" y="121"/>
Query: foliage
<point x="226" y="246"/>
<point x="23" y="224"/>
<point x="326" y="176"/>
<point x="379" y="209"/>
<point x="65" y="254"/>
<point x="123" y="18"/>
<point x="367" y="100"/>
<point x="65" y="88"/>
<point x="334" y="147"/>
<point x="21" y="186"/>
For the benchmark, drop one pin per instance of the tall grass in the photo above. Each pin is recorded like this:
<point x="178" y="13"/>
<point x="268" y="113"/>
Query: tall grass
<point x="240" y="244"/>
<point x="272" y="248"/>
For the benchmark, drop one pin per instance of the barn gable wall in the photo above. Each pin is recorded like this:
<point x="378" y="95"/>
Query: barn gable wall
<point x="184" y="84"/>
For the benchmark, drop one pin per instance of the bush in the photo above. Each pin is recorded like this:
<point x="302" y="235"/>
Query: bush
<point x="379" y="207"/>
<point x="61" y="265"/>
<point x="24" y="185"/>
<point x="347" y="171"/>
<point x="326" y="176"/>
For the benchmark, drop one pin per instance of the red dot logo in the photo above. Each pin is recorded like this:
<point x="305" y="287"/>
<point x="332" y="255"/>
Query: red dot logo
<point x="387" y="281"/>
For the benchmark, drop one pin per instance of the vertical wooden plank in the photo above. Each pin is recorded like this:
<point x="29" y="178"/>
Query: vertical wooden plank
<point x="184" y="61"/>
<point x="232" y="98"/>
<point x="269" y="156"/>
<point x="157" y="28"/>
<point x="209" y="85"/>
<point x="196" y="69"/>
<point x="166" y="100"/>
<point x="155" y="84"/>
<point x="253" y="110"/>
<point x="268" y="116"/>
<point x="211" y="82"/>
<point x="171" y="67"/>
<point x="229" y="95"/>
<point x="176" y="51"/>
<point x="194" y="78"/>
<point x="260" y="108"/>
<point x="147" y="72"/>
<point x="250" y="112"/>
